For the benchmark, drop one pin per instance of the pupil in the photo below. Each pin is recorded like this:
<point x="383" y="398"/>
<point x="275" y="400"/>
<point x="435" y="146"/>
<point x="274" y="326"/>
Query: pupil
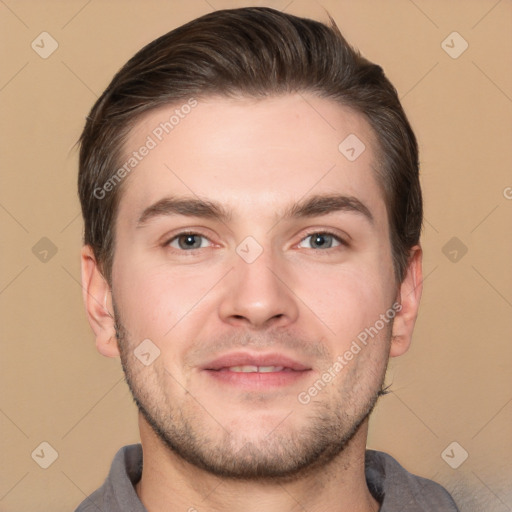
<point x="320" y="240"/>
<point x="190" y="240"/>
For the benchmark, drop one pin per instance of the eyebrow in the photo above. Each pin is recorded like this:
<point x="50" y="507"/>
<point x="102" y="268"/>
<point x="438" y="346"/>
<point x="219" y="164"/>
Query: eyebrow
<point x="312" y="206"/>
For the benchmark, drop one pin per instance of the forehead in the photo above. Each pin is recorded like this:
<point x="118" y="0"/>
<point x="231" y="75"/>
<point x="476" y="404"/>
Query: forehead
<point x="250" y="154"/>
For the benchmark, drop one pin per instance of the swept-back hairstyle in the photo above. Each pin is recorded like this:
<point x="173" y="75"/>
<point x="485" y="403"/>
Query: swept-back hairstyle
<point x="256" y="53"/>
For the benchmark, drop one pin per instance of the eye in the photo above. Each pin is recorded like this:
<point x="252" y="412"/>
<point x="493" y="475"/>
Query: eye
<point x="322" y="240"/>
<point x="188" y="241"/>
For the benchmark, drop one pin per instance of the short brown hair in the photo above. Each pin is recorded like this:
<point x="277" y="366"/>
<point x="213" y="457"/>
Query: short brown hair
<point x="249" y="52"/>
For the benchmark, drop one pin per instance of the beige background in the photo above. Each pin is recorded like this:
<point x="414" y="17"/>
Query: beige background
<point x="455" y="384"/>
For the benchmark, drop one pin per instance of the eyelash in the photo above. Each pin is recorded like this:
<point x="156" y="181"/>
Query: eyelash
<point x="340" y="240"/>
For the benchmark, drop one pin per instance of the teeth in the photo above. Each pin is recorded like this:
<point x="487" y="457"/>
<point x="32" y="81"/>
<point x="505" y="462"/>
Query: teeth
<point x="243" y="369"/>
<point x="268" y="369"/>
<point x="255" y="369"/>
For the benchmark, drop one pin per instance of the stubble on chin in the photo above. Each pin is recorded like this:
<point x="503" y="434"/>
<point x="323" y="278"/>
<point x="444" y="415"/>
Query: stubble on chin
<point x="289" y="452"/>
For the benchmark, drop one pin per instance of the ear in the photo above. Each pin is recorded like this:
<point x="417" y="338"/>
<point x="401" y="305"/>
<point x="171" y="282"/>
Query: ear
<point x="98" y="304"/>
<point x="409" y="295"/>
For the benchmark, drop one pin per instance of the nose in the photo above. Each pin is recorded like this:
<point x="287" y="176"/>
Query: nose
<point x="259" y="294"/>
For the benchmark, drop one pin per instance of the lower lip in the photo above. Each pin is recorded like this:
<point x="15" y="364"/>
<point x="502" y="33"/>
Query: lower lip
<point x="258" y="380"/>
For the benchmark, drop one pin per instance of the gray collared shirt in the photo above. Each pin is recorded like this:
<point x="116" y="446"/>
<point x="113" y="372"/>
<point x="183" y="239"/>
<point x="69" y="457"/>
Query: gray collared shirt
<point x="395" y="488"/>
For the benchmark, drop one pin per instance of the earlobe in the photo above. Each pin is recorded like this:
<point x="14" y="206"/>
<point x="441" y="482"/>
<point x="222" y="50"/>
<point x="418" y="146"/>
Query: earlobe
<point x="409" y="296"/>
<point x="98" y="304"/>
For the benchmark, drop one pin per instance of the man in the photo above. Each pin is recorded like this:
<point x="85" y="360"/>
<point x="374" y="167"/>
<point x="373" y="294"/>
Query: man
<point x="249" y="185"/>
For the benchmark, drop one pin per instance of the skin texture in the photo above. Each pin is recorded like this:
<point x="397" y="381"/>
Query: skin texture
<point x="222" y="445"/>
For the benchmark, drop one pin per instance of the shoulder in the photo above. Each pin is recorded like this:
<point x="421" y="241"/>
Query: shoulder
<point x="93" y="502"/>
<point x="396" y="487"/>
<point x="117" y="492"/>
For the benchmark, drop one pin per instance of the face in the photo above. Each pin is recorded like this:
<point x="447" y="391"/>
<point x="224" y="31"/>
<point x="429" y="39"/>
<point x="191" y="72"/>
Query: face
<point x="254" y="255"/>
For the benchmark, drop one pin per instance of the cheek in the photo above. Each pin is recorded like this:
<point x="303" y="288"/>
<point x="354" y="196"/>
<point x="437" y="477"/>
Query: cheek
<point x="346" y="299"/>
<point x="148" y="299"/>
<point x="162" y="302"/>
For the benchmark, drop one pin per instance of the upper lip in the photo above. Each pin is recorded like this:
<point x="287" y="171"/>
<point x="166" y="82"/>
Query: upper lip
<point x="254" y="359"/>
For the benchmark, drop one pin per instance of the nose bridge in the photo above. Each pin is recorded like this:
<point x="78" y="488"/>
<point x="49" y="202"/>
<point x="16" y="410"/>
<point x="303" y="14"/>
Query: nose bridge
<point x="256" y="293"/>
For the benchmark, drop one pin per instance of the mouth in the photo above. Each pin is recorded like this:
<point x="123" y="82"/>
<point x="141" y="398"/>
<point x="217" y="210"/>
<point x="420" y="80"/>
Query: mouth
<point x="256" y="371"/>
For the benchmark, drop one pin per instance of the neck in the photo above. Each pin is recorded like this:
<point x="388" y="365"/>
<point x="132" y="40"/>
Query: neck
<point x="170" y="484"/>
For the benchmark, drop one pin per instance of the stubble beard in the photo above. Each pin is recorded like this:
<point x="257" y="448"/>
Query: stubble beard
<point x="285" y="454"/>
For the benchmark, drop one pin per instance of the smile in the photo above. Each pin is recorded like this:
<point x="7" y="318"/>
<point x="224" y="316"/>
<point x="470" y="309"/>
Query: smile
<point x="253" y="369"/>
